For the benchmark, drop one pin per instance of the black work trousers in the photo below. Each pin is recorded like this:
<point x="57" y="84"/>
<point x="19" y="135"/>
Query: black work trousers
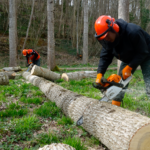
<point x="145" y="66"/>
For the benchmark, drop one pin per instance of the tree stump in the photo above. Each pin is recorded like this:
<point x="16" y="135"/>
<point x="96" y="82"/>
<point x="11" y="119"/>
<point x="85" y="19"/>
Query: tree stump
<point x="57" y="146"/>
<point x="4" y="79"/>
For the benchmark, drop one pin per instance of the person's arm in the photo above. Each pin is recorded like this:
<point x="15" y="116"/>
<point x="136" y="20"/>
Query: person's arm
<point x="27" y="58"/>
<point x="35" y="55"/>
<point x="106" y="58"/>
<point x="141" y="48"/>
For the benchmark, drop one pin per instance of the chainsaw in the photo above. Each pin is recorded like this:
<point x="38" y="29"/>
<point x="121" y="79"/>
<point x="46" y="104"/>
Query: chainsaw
<point x="30" y="67"/>
<point x="110" y="91"/>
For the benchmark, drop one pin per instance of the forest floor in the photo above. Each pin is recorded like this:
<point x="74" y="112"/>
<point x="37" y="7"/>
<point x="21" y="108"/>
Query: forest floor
<point x="28" y="120"/>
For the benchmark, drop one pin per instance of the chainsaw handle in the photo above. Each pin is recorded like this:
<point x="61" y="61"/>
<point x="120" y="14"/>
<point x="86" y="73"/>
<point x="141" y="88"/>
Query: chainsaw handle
<point x="103" y="80"/>
<point x="98" y="86"/>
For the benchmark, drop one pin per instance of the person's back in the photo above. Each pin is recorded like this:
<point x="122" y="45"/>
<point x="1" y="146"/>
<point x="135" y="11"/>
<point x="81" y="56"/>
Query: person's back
<point x="32" y="55"/>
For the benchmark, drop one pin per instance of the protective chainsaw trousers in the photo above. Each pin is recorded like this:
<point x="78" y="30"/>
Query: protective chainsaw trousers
<point x="145" y="66"/>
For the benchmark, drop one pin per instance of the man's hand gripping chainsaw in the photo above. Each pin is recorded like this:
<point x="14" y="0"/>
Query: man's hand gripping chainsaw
<point x="112" y="86"/>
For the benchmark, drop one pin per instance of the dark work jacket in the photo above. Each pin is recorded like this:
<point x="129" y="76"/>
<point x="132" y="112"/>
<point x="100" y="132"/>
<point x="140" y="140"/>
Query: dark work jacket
<point x="132" y="46"/>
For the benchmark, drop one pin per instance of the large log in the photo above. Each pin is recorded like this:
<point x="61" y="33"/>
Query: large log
<point x="4" y="79"/>
<point x="115" y="127"/>
<point x="12" y="69"/>
<point x="78" y="75"/>
<point x="45" y="73"/>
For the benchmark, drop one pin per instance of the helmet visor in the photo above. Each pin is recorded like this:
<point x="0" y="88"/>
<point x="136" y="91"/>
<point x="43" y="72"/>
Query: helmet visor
<point x="103" y="35"/>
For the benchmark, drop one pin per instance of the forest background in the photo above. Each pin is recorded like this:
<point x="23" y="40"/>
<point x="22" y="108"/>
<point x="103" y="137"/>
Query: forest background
<point x="68" y="28"/>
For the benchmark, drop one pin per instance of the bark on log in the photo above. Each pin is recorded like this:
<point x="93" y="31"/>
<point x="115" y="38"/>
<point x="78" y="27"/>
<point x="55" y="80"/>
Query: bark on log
<point x="45" y="73"/>
<point x="57" y="146"/>
<point x="78" y="75"/>
<point x="12" y="69"/>
<point x="4" y="80"/>
<point x="115" y="127"/>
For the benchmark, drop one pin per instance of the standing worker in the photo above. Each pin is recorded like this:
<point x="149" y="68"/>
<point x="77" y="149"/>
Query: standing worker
<point x="32" y="55"/>
<point x="129" y="43"/>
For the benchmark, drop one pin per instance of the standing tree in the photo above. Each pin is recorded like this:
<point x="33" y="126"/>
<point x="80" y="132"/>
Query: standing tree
<point x="29" y="24"/>
<point x="123" y="13"/>
<point x="51" y="42"/>
<point x="12" y="34"/>
<point x="85" y="33"/>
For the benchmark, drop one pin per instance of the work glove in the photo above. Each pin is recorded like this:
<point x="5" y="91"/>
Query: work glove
<point x="126" y="72"/>
<point x="29" y="64"/>
<point x="98" y="79"/>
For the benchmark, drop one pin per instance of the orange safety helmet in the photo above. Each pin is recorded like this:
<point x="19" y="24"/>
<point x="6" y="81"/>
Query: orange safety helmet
<point x="24" y="52"/>
<point x="104" y="24"/>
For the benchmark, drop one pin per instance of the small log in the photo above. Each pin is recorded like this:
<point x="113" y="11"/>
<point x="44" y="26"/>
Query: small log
<point x="78" y="75"/>
<point x="45" y="73"/>
<point x="115" y="127"/>
<point x="11" y="75"/>
<point x="4" y="79"/>
<point x="57" y="146"/>
<point x="12" y="69"/>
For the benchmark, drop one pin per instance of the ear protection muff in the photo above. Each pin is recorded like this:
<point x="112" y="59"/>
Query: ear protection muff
<point x="111" y="24"/>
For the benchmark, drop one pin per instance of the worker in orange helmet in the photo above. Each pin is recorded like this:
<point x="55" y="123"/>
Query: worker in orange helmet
<point x="129" y="43"/>
<point x="32" y="55"/>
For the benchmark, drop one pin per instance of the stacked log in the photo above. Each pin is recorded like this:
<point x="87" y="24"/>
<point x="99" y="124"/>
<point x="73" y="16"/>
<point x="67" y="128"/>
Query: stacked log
<point x="4" y="79"/>
<point x="115" y="127"/>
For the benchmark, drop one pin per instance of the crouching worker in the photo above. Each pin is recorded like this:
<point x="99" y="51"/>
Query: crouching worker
<point x="127" y="42"/>
<point x="32" y="55"/>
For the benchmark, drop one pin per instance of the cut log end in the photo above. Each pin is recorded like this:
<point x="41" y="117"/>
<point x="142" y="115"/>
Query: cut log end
<point x="32" y="70"/>
<point x="65" y="77"/>
<point x="141" y="140"/>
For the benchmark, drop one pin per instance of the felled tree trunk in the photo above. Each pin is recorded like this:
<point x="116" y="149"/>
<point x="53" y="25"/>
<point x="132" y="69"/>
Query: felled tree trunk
<point x="45" y="73"/>
<point x="12" y="69"/>
<point x="57" y="146"/>
<point x="78" y="75"/>
<point x="115" y="127"/>
<point x="4" y="80"/>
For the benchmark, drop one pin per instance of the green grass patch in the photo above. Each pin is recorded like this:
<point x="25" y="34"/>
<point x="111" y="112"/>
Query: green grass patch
<point x="13" y="113"/>
<point x="48" y="109"/>
<point x="65" y="121"/>
<point x="26" y="125"/>
<point x="47" y="138"/>
<point x="75" y="142"/>
<point x="35" y="100"/>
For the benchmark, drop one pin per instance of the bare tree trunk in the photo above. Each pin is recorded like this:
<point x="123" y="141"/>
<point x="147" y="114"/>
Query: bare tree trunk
<point x="85" y="33"/>
<point x="77" y="27"/>
<point x="61" y="16"/>
<point x="51" y="42"/>
<point x="123" y="12"/>
<point x="29" y="24"/>
<point x="12" y="34"/>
